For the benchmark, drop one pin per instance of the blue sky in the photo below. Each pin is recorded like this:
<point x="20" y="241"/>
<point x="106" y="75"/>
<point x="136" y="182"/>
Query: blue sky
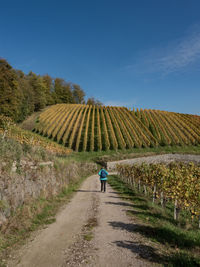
<point x="134" y="53"/>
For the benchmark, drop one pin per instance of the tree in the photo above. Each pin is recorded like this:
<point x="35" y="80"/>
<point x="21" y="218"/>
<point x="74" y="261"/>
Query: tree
<point x="27" y="101"/>
<point x="78" y="94"/>
<point x="38" y="87"/>
<point x="63" y="91"/>
<point x="94" y="102"/>
<point x="49" y="88"/>
<point x="67" y="94"/>
<point x="22" y="94"/>
<point x="10" y="93"/>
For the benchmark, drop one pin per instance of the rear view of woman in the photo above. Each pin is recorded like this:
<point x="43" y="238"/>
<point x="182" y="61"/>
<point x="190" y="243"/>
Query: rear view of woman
<point x="103" y="178"/>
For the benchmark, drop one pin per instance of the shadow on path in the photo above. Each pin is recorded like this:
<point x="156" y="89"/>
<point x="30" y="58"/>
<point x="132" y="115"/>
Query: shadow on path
<point x="119" y="203"/>
<point x="161" y="234"/>
<point x="98" y="191"/>
<point x="144" y="251"/>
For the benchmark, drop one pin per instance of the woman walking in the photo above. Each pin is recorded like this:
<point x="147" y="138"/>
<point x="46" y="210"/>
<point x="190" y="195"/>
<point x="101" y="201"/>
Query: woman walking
<point x="103" y="178"/>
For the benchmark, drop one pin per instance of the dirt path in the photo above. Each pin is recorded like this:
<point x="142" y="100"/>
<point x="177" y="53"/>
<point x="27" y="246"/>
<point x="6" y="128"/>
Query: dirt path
<point x="92" y="230"/>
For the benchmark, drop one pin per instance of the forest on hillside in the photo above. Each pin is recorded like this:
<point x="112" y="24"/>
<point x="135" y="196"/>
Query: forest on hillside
<point x="22" y="94"/>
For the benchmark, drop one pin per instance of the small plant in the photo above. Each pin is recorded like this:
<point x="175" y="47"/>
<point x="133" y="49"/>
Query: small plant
<point x="88" y="236"/>
<point x="3" y="205"/>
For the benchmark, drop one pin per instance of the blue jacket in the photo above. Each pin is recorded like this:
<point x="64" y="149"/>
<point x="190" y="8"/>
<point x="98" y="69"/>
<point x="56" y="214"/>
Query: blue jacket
<point x="103" y="179"/>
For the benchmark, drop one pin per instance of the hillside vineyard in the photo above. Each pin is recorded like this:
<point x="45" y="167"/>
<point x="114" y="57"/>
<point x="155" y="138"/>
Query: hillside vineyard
<point x="95" y="128"/>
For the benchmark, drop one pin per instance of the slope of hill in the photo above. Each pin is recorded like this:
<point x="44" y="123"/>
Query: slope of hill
<point x="10" y="130"/>
<point x="92" y="128"/>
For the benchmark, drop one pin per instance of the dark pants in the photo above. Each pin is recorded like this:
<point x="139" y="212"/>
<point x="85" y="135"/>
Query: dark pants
<point x="103" y="185"/>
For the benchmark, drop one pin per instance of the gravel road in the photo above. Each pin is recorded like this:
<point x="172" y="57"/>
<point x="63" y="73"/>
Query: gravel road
<point x="92" y="230"/>
<point x="166" y="158"/>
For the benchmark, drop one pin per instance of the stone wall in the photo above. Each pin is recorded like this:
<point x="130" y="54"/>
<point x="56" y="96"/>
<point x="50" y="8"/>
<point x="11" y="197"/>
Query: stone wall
<point x="167" y="158"/>
<point x="27" y="181"/>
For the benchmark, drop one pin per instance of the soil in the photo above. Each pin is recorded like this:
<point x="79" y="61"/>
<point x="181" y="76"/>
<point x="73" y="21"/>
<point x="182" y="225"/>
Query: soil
<point x="92" y="230"/>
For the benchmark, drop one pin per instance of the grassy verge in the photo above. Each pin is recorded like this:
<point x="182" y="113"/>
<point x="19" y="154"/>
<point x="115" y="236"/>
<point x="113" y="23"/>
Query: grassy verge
<point x="30" y="218"/>
<point x="180" y="240"/>
<point x="112" y="155"/>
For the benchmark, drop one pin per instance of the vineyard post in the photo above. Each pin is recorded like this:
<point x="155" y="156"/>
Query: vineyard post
<point x="145" y="190"/>
<point x="154" y="193"/>
<point x="130" y="178"/>
<point x="176" y="210"/>
<point x="133" y="179"/>
<point x="134" y="182"/>
<point x="139" y="185"/>
<point x="162" y="200"/>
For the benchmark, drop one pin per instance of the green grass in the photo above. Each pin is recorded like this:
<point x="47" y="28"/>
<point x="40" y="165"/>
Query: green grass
<point x="181" y="240"/>
<point x="88" y="236"/>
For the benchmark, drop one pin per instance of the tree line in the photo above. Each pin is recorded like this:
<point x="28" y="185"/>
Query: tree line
<point x="22" y="94"/>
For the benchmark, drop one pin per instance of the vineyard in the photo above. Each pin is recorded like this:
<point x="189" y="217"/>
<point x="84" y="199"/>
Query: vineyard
<point x="178" y="183"/>
<point x="9" y="130"/>
<point x="93" y="128"/>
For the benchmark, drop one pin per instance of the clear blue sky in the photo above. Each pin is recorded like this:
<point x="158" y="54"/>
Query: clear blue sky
<point x="134" y="53"/>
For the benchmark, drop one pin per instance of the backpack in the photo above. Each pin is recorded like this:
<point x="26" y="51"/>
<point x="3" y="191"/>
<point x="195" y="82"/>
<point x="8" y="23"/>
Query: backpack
<point x="103" y="174"/>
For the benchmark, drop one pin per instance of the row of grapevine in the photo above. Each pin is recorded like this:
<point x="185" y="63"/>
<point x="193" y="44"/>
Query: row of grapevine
<point x="177" y="129"/>
<point x="139" y="129"/>
<point x="90" y="128"/>
<point x="60" y="122"/>
<point x="174" y="131"/>
<point x="147" y="133"/>
<point x="193" y="119"/>
<point x="105" y="131"/>
<point x="80" y="129"/>
<point x="66" y="127"/>
<point x="191" y="122"/>
<point x="86" y="130"/>
<point x="50" y="127"/>
<point x="152" y="126"/>
<point x="75" y="127"/>
<point x="144" y="118"/>
<point x="127" y="138"/>
<point x="185" y="135"/>
<point x="99" y="141"/>
<point x="193" y="132"/>
<point x="131" y="129"/>
<point x="116" y="127"/>
<point x="170" y="128"/>
<point x="176" y="182"/>
<point x="113" y="139"/>
<point x="47" y="117"/>
<point x="165" y="139"/>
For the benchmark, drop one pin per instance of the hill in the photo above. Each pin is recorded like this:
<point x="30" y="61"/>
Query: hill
<point x="94" y="128"/>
